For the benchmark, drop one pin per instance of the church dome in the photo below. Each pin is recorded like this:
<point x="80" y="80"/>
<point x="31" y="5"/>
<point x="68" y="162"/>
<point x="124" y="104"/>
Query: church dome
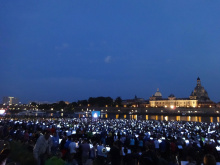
<point x="171" y="95"/>
<point x="158" y="94"/>
<point x="200" y="92"/>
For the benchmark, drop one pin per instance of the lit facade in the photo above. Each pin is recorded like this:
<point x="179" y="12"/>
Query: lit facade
<point x="10" y="100"/>
<point x="198" y="98"/>
<point x="168" y="103"/>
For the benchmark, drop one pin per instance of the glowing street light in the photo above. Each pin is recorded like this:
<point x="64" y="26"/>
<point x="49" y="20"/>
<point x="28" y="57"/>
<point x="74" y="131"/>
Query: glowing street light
<point x="172" y="106"/>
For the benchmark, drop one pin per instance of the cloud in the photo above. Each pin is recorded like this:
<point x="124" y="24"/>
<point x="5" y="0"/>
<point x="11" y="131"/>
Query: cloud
<point x="108" y="59"/>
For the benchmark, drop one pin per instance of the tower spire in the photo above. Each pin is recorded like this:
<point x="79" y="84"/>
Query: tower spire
<point x="198" y="81"/>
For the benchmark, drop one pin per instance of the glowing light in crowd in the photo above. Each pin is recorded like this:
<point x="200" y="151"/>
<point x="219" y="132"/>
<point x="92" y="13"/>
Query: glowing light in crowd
<point x="2" y="111"/>
<point x="95" y="115"/>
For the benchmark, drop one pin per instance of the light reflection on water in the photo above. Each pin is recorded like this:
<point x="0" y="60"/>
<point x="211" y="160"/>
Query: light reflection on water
<point x="151" y="117"/>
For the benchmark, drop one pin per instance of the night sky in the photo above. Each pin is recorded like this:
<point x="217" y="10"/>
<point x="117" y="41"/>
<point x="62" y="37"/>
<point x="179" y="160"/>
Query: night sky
<point x="54" y="50"/>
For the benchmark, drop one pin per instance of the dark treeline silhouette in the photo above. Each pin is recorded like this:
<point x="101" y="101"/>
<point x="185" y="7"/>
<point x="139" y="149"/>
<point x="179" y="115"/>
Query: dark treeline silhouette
<point x="92" y="102"/>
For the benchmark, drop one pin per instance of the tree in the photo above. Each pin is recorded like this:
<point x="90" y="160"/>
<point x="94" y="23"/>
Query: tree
<point x="44" y="106"/>
<point x="83" y="102"/>
<point x="33" y="103"/>
<point x="100" y="101"/>
<point x="74" y="104"/>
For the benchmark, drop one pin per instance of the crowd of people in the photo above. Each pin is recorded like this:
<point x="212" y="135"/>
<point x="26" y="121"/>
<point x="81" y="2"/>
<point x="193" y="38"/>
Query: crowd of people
<point x="82" y="141"/>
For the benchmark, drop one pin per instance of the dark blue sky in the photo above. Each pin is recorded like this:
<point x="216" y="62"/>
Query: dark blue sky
<point x="69" y="50"/>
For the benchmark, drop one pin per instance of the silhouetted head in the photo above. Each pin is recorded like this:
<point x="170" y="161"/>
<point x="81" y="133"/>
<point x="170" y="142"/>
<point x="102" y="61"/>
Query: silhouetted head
<point x="47" y="134"/>
<point x="209" y="160"/>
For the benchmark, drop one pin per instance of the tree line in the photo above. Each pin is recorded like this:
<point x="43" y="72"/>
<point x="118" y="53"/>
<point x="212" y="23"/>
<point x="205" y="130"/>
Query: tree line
<point x="91" y="102"/>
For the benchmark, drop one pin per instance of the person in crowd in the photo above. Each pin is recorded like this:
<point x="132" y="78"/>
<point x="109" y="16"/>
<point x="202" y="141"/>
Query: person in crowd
<point x="26" y="136"/>
<point x="4" y="154"/>
<point x="190" y="160"/>
<point x="101" y="154"/>
<point x="66" y="145"/>
<point x="42" y="148"/>
<point x="85" y="148"/>
<point x="61" y="146"/>
<point x="128" y="158"/>
<point x="72" y="147"/>
<point x="92" y="154"/>
<point x="209" y="160"/>
<point x="148" y="157"/>
<point x="115" y="154"/>
<point x="55" y="146"/>
<point x="160" y="160"/>
<point x="132" y="142"/>
<point x="156" y="144"/>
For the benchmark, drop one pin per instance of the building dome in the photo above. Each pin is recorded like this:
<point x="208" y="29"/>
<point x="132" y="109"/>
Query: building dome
<point x="171" y="95"/>
<point x="158" y="94"/>
<point x="200" y="92"/>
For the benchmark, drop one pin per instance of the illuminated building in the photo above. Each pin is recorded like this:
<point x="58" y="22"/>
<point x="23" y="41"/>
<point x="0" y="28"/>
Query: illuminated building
<point x="198" y="98"/>
<point x="136" y="102"/>
<point x="171" y="102"/>
<point x="199" y="93"/>
<point x="10" y="100"/>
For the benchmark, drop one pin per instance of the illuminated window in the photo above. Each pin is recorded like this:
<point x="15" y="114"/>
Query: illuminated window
<point x="146" y="117"/>
<point x="135" y="117"/>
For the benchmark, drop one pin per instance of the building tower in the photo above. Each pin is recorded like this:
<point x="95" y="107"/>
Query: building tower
<point x="199" y="92"/>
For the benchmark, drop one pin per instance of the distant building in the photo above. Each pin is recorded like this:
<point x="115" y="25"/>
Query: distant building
<point x="218" y="105"/>
<point x="10" y="100"/>
<point x="171" y="102"/>
<point x="40" y="102"/>
<point x="136" y="102"/>
<point x="198" y="98"/>
<point x="199" y="93"/>
<point x="156" y="96"/>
